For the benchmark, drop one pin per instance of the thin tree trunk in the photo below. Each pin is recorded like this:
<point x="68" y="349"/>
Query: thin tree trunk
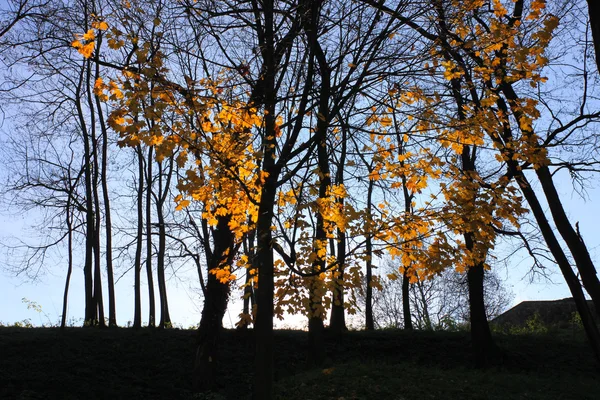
<point x="137" y="313"/>
<point x="98" y="297"/>
<point x="594" y="14"/>
<point x="248" y="287"/>
<point x="408" y="325"/>
<point x="90" y="306"/>
<point x="63" y="320"/>
<point x="149" y="182"/>
<point x="589" y="324"/>
<point x="408" y="198"/>
<point x="165" y="319"/>
<point x="369" y="321"/>
<point x="112" y="317"/>
<point x="574" y="241"/>
<point x="425" y="312"/>
<point x="550" y="238"/>
<point x="337" y="322"/>
<point x="316" y="314"/>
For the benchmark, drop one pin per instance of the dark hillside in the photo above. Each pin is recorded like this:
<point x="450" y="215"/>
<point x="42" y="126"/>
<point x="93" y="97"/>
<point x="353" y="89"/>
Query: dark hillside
<point x="154" y="364"/>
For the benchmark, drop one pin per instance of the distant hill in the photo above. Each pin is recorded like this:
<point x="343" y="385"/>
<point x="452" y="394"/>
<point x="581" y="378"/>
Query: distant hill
<point x="553" y="313"/>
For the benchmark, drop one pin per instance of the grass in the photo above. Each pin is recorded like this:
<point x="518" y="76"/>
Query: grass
<point x="45" y="363"/>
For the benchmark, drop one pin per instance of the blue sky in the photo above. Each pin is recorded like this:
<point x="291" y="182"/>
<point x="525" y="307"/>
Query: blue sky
<point x="185" y="303"/>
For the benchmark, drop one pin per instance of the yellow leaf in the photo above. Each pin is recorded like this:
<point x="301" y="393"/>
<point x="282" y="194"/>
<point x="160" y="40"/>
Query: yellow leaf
<point x="89" y="35"/>
<point x="182" y="204"/>
<point x="86" y="50"/>
<point x="115" y="44"/>
<point x="386" y="121"/>
<point x="100" y="25"/>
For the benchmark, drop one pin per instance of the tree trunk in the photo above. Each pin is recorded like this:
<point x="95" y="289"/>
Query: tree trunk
<point x="94" y="154"/>
<point x="248" y="287"/>
<point x="574" y="241"/>
<point x="63" y="319"/>
<point x="408" y="198"/>
<point x="165" y="318"/>
<point x="408" y="325"/>
<point x="90" y="317"/>
<point x="215" y="305"/>
<point x="112" y="317"/>
<point x="263" y="327"/>
<point x="149" y="182"/>
<point x="485" y="351"/>
<point x="589" y="324"/>
<point x="425" y="312"/>
<point x="484" y="348"/>
<point x="137" y="309"/>
<point x="594" y="14"/>
<point x="316" y="341"/>
<point x="548" y="233"/>
<point x="369" y="321"/>
<point x="337" y="323"/>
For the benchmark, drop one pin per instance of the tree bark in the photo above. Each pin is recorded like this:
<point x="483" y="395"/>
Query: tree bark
<point x="149" y="275"/>
<point x="63" y="319"/>
<point x="137" y="309"/>
<point x="90" y="317"/>
<point x="315" y="324"/>
<point x="408" y="325"/>
<point x="248" y="287"/>
<point x="215" y="305"/>
<point x="163" y="191"/>
<point x="571" y="279"/>
<point x="574" y="241"/>
<point x="594" y="14"/>
<point x="550" y="238"/>
<point x="337" y="323"/>
<point x="112" y="311"/>
<point x="484" y="349"/>
<point x="263" y="327"/>
<point x="369" y="321"/>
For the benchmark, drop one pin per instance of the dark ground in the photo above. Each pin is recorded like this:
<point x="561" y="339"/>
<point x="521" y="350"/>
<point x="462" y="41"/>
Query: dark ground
<point x="45" y="363"/>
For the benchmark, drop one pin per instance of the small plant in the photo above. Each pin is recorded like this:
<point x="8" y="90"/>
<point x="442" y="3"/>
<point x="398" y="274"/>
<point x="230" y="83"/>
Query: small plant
<point x="534" y="325"/>
<point x="26" y="323"/>
<point x="447" y="323"/>
<point x="576" y="321"/>
<point x="32" y="305"/>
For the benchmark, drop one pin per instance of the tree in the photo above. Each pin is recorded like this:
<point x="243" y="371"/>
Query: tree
<point x="52" y="85"/>
<point x="440" y="302"/>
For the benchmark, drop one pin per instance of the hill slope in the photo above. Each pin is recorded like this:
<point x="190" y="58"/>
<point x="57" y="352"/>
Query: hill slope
<point x="44" y="363"/>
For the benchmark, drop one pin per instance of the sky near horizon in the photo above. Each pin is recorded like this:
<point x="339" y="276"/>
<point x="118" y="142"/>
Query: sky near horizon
<point x="184" y="293"/>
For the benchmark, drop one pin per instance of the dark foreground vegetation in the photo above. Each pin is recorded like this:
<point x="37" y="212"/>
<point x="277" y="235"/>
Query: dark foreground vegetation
<point x="45" y="363"/>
